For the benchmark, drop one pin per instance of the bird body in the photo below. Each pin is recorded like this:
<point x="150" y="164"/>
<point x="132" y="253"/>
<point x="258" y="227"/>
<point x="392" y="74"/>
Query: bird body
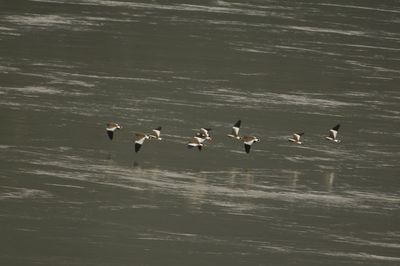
<point x="110" y="128"/>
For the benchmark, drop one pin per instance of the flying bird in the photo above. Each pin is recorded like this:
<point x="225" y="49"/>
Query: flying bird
<point x="235" y="130"/>
<point x="110" y="128"/>
<point x="296" y="138"/>
<point x="140" y="138"/>
<point x="248" y="141"/>
<point x="333" y="134"/>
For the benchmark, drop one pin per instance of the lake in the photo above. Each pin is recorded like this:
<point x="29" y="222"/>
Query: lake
<point x="71" y="196"/>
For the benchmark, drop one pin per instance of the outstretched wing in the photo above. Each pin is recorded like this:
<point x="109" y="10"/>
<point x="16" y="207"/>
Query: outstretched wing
<point x="110" y="134"/>
<point x="156" y="132"/>
<point x="191" y="145"/>
<point x="332" y="133"/>
<point x="297" y="136"/>
<point x="137" y="146"/>
<point x="237" y="124"/>
<point x="247" y="147"/>
<point x="235" y="131"/>
<point x="336" y="128"/>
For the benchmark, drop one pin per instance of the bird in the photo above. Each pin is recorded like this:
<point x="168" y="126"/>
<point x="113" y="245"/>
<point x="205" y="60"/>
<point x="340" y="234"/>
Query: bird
<point x="204" y="133"/>
<point x="235" y="130"/>
<point x="248" y="141"/>
<point x="196" y="142"/>
<point x="333" y="134"/>
<point x="296" y="138"/>
<point x="110" y="128"/>
<point x="155" y="134"/>
<point x="140" y="138"/>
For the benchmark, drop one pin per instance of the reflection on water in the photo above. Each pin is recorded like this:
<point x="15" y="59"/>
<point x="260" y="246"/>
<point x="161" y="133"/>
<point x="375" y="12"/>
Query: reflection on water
<point x="240" y="177"/>
<point x="136" y="164"/>
<point x="329" y="178"/>
<point x="292" y="177"/>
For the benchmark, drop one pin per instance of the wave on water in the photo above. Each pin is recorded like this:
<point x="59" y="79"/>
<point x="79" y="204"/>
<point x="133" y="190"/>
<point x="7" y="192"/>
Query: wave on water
<point x="50" y="21"/>
<point x="326" y="30"/>
<point x="22" y="193"/>
<point x="361" y="255"/>
<point x="92" y="76"/>
<point x="42" y="90"/>
<point x="260" y="99"/>
<point x="364" y="242"/>
<point x="373" y="9"/>
<point x="35" y="90"/>
<point x="7" y="69"/>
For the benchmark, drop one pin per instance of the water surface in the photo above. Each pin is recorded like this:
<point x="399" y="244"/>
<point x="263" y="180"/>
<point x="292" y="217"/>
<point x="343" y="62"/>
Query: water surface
<point x="70" y="196"/>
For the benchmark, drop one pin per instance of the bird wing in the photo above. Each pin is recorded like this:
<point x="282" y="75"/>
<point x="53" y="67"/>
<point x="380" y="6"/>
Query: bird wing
<point x="156" y="133"/>
<point x="235" y="131"/>
<point x="237" y="124"/>
<point x="137" y="146"/>
<point x="110" y="134"/>
<point x="194" y="143"/>
<point x="198" y="140"/>
<point x="247" y="147"/>
<point x="336" y="128"/>
<point x="332" y="133"/>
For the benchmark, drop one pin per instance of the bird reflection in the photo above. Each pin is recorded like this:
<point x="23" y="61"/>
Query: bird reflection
<point x="329" y="178"/>
<point x="109" y="159"/>
<point x="109" y="156"/>
<point x="240" y="176"/>
<point x="136" y="164"/>
<point x="198" y="189"/>
<point x="292" y="177"/>
<point x="247" y="177"/>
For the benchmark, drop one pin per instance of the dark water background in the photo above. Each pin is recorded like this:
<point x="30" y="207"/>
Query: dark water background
<point x="69" y="196"/>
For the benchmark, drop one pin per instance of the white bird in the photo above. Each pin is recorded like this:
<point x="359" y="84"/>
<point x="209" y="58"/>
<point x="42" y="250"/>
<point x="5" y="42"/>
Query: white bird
<point x="333" y="134"/>
<point x="110" y="128"/>
<point x="140" y="140"/>
<point x="248" y="141"/>
<point x="196" y="142"/>
<point x="156" y="134"/>
<point x="296" y="138"/>
<point x="235" y="130"/>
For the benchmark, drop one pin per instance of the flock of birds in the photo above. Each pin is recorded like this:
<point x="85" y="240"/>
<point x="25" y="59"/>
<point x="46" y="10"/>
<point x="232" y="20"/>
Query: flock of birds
<point x="204" y="135"/>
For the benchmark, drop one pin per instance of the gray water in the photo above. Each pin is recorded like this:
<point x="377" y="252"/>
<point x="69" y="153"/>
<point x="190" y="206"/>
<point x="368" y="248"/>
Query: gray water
<point x="70" y="196"/>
